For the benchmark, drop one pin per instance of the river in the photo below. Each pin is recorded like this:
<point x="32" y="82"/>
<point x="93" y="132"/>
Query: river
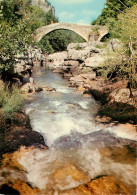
<point x="66" y="120"/>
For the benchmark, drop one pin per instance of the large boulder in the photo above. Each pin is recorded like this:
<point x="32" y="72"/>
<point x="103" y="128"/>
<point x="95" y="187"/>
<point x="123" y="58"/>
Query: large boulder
<point x="56" y="60"/>
<point x="74" y="45"/>
<point x="30" y="88"/>
<point x="79" y="54"/>
<point x="94" y="61"/>
<point x="114" y="45"/>
<point x="123" y="95"/>
<point x="17" y="132"/>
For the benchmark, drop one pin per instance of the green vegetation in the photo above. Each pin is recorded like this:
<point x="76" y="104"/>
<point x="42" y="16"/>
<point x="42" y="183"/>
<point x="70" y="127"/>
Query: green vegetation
<point x="10" y="100"/>
<point x="15" y="32"/>
<point x="121" y="19"/>
<point x="122" y="62"/>
<point x="112" y="9"/>
<point x="77" y="47"/>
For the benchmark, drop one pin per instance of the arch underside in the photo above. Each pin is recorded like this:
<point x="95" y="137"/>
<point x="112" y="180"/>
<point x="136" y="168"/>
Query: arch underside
<point x="63" y="28"/>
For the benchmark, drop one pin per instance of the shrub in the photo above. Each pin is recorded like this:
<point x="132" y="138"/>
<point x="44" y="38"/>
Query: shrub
<point x="10" y="100"/>
<point x="78" y="47"/>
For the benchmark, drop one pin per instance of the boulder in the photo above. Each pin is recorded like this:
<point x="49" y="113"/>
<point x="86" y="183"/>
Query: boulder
<point x="123" y="95"/>
<point x="57" y="59"/>
<point x="82" y="79"/>
<point x="114" y="45"/>
<point x="18" y="137"/>
<point x="73" y="63"/>
<point x="30" y="88"/>
<point x="65" y="176"/>
<point x="79" y="54"/>
<point x="17" y="132"/>
<point x="74" y="45"/>
<point x="94" y="61"/>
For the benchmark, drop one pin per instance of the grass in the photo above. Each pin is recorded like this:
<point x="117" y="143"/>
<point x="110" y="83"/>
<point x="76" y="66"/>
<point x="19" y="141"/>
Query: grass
<point x="10" y="100"/>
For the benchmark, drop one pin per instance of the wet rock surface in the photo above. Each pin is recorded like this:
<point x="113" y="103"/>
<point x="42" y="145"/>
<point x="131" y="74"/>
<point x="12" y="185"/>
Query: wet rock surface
<point x="17" y="132"/>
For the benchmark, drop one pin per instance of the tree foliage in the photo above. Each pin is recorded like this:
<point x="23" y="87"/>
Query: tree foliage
<point x="15" y="32"/>
<point x="112" y="9"/>
<point x="125" y="62"/>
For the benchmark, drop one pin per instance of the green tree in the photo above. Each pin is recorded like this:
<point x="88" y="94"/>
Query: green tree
<point x="15" y="33"/>
<point x="126" y="61"/>
<point x="112" y="9"/>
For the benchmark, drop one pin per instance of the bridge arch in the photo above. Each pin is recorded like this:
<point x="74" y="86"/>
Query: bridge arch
<point x="84" y="31"/>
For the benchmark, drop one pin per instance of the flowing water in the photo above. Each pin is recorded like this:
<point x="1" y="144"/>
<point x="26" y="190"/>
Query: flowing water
<point x="66" y="120"/>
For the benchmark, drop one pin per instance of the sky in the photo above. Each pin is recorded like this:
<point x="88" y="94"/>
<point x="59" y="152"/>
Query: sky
<point x="77" y="11"/>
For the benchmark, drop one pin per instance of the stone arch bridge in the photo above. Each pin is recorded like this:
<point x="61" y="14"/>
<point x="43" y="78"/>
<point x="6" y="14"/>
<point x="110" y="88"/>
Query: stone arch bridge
<point x="88" y="32"/>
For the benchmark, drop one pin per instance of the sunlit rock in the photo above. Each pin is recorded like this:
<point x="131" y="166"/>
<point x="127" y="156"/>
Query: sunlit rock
<point x="68" y="177"/>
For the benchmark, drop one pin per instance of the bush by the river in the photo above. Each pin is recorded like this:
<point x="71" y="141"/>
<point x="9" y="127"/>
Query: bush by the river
<point x="10" y="100"/>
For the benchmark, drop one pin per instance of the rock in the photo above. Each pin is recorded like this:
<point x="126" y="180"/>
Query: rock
<point x="79" y="54"/>
<point x="64" y="177"/>
<point x="56" y="60"/>
<point x="103" y="119"/>
<point x="10" y="160"/>
<point x="30" y="88"/>
<point x="108" y="185"/>
<point x="73" y="45"/>
<point x="97" y="84"/>
<point x="17" y="132"/>
<point x="104" y="185"/>
<point x="81" y="88"/>
<point x="95" y="50"/>
<point x="87" y="96"/>
<point x="47" y="88"/>
<point x="95" y="61"/>
<point x="127" y="130"/>
<point x="23" y="188"/>
<point x="21" y="119"/>
<point x="44" y="5"/>
<point x="71" y="63"/>
<point x="77" y="81"/>
<point x="82" y="79"/>
<point x="21" y="137"/>
<point x="114" y="45"/>
<point x="122" y="95"/>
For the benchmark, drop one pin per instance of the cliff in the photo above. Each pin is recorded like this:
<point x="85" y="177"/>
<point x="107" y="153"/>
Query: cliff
<point x="44" y="5"/>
